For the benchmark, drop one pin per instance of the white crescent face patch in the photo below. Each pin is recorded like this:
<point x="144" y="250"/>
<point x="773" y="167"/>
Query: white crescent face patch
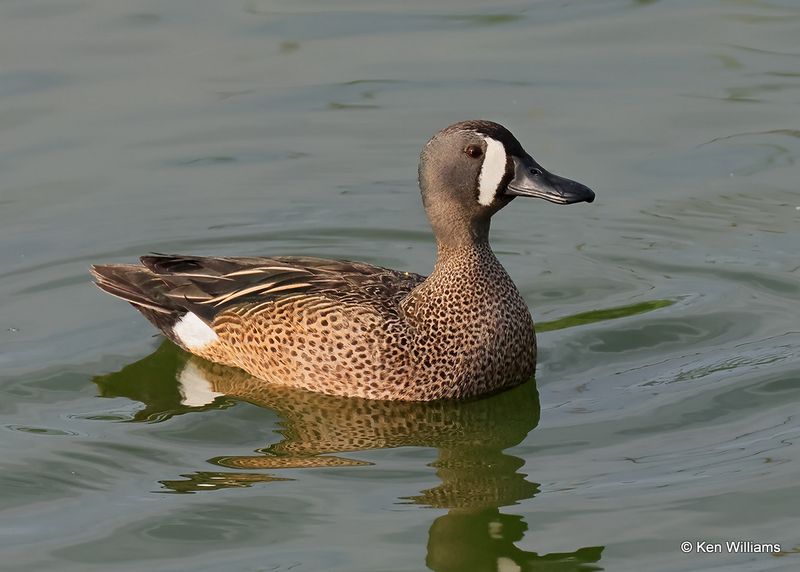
<point x="492" y="171"/>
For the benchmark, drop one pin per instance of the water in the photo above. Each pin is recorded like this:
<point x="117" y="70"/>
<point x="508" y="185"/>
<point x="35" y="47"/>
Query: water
<point x="669" y="378"/>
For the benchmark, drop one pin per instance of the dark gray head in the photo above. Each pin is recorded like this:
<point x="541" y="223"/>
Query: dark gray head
<point x="470" y="170"/>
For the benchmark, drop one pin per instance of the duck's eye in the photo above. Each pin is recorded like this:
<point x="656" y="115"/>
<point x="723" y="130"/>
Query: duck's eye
<point x="473" y="151"/>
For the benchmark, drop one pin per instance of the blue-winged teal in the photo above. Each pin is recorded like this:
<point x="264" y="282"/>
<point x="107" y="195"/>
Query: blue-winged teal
<point x="353" y="329"/>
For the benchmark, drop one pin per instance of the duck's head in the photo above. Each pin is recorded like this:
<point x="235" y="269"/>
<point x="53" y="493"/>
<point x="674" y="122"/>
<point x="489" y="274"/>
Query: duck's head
<point x="470" y="170"/>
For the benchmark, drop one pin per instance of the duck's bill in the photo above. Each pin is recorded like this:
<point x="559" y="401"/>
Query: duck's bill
<point x="531" y="180"/>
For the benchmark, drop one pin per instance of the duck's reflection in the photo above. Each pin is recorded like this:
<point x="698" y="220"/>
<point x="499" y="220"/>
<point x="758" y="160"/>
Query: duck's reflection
<point x="477" y="476"/>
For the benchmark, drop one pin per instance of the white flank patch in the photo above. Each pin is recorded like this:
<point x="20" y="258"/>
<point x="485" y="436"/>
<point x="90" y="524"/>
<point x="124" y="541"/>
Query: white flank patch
<point x="492" y="171"/>
<point x="195" y="389"/>
<point x="193" y="332"/>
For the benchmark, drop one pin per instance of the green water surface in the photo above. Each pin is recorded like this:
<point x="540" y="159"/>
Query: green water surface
<point x="665" y="407"/>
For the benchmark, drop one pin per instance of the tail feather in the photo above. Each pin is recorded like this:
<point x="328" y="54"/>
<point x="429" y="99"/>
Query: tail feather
<point x="130" y="283"/>
<point x="143" y="289"/>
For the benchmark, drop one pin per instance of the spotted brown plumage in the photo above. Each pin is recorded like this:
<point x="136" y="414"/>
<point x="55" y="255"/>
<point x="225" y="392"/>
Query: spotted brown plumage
<point x="353" y="329"/>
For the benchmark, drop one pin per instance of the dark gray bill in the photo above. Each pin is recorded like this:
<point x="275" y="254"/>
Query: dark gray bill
<point x="531" y="180"/>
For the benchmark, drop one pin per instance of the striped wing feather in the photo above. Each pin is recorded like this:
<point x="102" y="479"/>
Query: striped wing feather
<point x="207" y="286"/>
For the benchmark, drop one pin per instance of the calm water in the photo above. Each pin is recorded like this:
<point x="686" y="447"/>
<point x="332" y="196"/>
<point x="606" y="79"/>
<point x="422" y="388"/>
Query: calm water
<point x="669" y="378"/>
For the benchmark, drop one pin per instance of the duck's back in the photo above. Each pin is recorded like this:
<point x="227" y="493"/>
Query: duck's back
<point x="324" y="325"/>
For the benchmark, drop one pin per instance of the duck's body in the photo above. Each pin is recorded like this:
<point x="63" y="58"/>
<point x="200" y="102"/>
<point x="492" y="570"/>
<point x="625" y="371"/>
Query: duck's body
<point x="352" y="329"/>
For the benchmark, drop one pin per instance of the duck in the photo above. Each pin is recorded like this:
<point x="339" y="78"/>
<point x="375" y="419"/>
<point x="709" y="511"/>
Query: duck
<point x="353" y="329"/>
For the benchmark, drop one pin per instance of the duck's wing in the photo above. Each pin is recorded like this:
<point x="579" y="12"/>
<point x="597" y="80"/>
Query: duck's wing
<point x="164" y="287"/>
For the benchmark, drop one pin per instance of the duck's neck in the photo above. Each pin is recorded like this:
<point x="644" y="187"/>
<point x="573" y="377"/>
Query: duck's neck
<point x="460" y="246"/>
<point x="466" y="258"/>
<point x="468" y="293"/>
<point x="456" y="233"/>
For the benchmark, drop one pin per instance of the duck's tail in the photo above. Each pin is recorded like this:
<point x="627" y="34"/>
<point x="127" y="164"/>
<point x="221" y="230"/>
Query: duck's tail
<point x="143" y="289"/>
